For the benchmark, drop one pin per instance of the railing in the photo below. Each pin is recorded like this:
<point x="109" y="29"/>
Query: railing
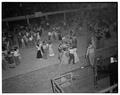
<point x="68" y="79"/>
<point x="109" y="89"/>
<point x="102" y="61"/>
<point x="57" y="86"/>
<point x="107" y="51"/>
<point x="49" y="13"/>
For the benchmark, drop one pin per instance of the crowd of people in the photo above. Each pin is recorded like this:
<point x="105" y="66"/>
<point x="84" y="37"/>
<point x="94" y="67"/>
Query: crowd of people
<point x="27" y="37"/>
<point x="32" y="36"/>
<point x="67" y="48"/>
<point x="20" y="38"/>
<point x="11" y="58"/>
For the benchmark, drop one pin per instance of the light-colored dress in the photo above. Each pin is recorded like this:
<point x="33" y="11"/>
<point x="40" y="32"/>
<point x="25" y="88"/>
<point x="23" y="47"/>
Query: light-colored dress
<point x="74" y="52"/>
<point x="51" y="52"/>
<point x="16" y="57"/>
<point x="91" y="54"/>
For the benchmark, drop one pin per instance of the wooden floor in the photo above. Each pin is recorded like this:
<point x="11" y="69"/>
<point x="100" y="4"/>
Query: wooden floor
<point x="39" y="81"/>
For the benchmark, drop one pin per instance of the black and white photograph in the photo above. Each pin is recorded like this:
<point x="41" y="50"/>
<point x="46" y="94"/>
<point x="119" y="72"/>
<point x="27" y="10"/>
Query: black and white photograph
<point x="59" y="47"/>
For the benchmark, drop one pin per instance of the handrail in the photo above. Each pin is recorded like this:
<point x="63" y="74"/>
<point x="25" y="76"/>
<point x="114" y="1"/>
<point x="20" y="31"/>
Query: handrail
<point x="108" y="89"/>
<point x="114" y="48"/>
<point x="99" y="50"/>
<point x="56" y="86"/>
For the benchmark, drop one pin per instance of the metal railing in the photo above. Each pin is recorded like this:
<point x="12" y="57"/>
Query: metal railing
<point x="109" y="89"/>
<point x="57" y="88"/>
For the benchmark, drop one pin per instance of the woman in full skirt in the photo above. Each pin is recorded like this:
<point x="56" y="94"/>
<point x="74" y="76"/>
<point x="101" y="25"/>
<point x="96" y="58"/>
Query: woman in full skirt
<point x="39" y="51"/>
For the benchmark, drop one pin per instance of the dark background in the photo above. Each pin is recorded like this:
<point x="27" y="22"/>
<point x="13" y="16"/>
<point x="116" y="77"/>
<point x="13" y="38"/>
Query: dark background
<point x="12" y="9"/>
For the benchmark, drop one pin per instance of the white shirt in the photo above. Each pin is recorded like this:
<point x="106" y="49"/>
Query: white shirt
<point x="16" y="53"/>
<point x="49" y="33"/>
<point x="71" y="51"/>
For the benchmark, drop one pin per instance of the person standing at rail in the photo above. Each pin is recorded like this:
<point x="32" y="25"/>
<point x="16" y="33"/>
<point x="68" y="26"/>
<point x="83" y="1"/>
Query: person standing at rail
<point x="90" y="54"/>
<point x="113" y="70"/>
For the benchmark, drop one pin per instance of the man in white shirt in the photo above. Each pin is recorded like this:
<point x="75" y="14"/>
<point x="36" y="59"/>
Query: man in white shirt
<point x="49" y="35"/>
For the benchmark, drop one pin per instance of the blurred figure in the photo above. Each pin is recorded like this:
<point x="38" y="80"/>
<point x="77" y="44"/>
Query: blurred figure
<point x="10" y="58"/>
<point x="90" y="54"/>
<point x="4" y="62"/>
<point x="51" y="52"/>
<point x="65" y="56"/>
<point x="16" y="56"/>
<point x="113" y="70"/>
<point x="45" y="49"/>
<point x="39" y="50"/>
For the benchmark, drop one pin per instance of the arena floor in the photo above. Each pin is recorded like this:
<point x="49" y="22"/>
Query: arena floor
<point x="33" y="75"/>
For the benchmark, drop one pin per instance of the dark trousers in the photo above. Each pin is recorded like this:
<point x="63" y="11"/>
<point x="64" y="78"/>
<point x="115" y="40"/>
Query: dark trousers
<point x="71" y="58"/>
<point x="113" y="73"/>
<point x="49" y="37"/>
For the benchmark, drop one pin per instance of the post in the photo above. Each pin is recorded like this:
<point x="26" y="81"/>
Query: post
<point x="64" y="18"/>
<point x="7" y="24"/>
<point x="46" y="17"/>
<point x="28" y="22"/>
